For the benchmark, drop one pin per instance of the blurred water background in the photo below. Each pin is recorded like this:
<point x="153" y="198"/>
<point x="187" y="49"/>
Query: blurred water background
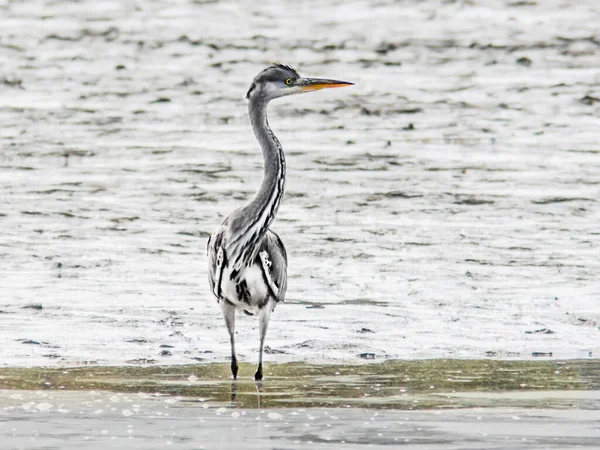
<point x="445" y="206"/>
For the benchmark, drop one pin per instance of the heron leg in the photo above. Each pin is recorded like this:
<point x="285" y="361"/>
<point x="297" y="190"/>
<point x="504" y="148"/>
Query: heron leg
<point x="229" y="315"/>
<point x="264" y="314"/>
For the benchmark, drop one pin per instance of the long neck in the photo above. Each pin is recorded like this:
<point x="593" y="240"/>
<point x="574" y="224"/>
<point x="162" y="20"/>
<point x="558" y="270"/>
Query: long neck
<point x="265" y="204"/>
<point x="256" y="217"/>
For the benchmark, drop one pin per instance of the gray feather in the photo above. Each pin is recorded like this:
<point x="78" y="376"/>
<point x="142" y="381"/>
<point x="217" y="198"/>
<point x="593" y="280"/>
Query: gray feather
<point x="278" y="268"/>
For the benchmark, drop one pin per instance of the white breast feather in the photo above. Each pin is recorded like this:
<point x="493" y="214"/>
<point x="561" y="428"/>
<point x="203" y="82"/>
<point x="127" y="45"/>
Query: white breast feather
<point x="254" y="282"/>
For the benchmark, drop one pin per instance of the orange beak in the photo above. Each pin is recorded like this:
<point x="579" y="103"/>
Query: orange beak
<point x="314" y="84"/>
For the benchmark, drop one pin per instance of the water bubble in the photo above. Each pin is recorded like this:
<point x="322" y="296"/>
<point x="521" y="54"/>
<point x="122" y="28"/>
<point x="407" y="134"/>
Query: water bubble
<point x="43" y="406"/>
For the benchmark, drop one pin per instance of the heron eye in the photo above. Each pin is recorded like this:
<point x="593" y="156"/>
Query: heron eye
<point x="288" y="81"/>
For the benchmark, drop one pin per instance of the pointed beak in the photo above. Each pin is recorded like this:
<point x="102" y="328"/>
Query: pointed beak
<point x="314" y="84"/>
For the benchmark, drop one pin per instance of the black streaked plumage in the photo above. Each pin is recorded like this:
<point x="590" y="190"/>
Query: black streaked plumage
<point x="247" y="261"/>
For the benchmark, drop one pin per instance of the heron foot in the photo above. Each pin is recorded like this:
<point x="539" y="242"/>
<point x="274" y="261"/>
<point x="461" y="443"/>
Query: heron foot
<point x="234" y="367"/>
<point x="258" y="375"/>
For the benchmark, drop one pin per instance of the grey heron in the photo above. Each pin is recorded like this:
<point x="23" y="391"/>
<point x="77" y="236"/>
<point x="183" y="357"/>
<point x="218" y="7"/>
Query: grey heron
<point x="247" y="262"/>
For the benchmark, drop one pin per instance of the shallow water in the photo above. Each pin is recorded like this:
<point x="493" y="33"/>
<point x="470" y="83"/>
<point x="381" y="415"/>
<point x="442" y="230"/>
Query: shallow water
<point x="406" y="385"/>
<point x="472" y="232"/>
<point x="433" y="404"/>
<point x="68" y="420"/>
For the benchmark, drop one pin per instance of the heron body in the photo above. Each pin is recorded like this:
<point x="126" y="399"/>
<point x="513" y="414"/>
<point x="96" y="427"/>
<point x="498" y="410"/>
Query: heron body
<point x="247" y="262"/>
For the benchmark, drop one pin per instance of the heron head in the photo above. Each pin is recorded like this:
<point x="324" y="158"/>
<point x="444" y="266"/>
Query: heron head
<point x="279" y="80"/>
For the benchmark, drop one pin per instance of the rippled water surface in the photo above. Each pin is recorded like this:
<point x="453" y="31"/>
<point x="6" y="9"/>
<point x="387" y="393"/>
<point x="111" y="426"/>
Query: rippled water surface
<point x="93" y="420"/>
<point x="402" y="385"/>
<point x="432" y="404"/>
<point x="445" y="206"/>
